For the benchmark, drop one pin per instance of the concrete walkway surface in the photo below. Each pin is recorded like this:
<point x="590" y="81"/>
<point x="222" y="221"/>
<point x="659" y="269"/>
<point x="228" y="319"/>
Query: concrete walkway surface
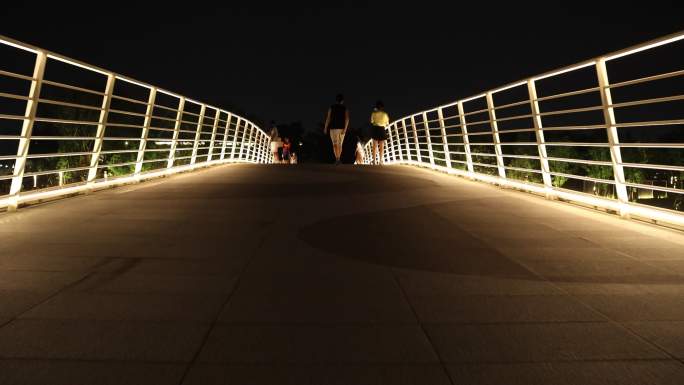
<point x="321" y="274"/>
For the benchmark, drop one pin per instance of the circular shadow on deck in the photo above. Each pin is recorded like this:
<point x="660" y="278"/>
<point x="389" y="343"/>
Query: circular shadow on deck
<point x="410" y="238"/>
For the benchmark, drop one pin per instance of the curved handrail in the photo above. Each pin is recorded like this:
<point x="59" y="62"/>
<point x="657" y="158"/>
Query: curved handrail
<point x="124" y="131"/>
<point x="596" y="156"/>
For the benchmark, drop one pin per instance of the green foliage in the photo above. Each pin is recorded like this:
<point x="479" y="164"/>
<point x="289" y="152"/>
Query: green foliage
<point x="119" y="170"/>
<point x="599" y="171"/>
<point x="153" y="156"/>
<point x="564" y="167"/>
<point x="521" y="175"/>
<point x="71" y="146"/>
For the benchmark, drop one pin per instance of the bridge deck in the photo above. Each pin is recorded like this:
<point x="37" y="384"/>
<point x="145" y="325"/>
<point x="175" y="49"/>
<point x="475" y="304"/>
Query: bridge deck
<point x="335" y="275"/>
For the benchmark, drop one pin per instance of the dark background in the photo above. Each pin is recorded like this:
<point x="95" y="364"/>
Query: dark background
<point x="286" y="62"/>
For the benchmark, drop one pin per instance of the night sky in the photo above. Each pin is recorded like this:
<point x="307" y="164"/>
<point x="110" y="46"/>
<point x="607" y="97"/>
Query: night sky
<point x="287" y="62"/>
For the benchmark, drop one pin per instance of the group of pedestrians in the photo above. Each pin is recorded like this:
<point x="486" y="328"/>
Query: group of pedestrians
<point x="281" y="148"/>
<point x="336" y="126"/>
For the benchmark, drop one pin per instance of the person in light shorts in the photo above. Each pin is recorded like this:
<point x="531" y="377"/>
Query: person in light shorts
<point x="276" y="143"/>
<point x="336" y="125"/>
<point x="337" y="138"/>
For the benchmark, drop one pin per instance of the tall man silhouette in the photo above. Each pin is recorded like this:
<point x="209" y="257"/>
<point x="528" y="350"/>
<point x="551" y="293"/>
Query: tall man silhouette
<point x="336" y="124"/>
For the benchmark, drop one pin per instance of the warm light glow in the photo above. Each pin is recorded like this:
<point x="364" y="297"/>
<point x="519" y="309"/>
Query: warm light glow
<point x="15" y="45"/>
<point x="77" y="64"/>
<point x="565" y="70"/>
<point x="15" y="200"/>
<point x="645" y="47"/>
<point x="35" y="196"/>
<point x="127" y="80"/>
<point x="473" y="98"/>
<point x="443" y="106"/>
<point x="623" y="206"/>
<point x="508" y="87"/>
<point x="169" y="93"/>
<point x="250" y="132"/>
<point x="607" y="204"/>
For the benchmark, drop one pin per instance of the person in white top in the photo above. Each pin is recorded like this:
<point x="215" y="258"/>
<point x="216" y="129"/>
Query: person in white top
<point x="379" y="120"/>
<point x="275" y="142"/>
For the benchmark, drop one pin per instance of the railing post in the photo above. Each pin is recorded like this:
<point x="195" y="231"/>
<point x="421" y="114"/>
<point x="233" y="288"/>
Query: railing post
<point x="385" y="154"/>
<point x="538" y="130"/>
<point x="27" y="130"/>
<point x="466" y="140"/>
<point x="264" y="146"/>
<point x="176" y="131"/>
<point x="369" y="152"/>
<point x="396" y="147"/>
<point x="235" y="135"/>
<point x="244" y="137"/>
<point x="251" y="149"/>
<point x="398" y="153"/>
<point x="242" y="140"/>
<point x="245" y="142"/>
<point x="442" y="126"/>
<point x="198" y="134"/>
<point x="495" y="136"/>
<point x="389" y="145"/>
<point x="419" y="156"/>
<point x="399" y="145"/>
<point x="101" y="126"/>
<point x="269" y="155"/>
<point x="257" y="145"/>
<point x="250" y="144"/>
<point x="406" y="140"/>
<point x="225" y="135"/>
<point x="258" y="142"/>
<point x="426" y="126"/>
<point x="267" y="149"/>
<point x="613" y="139"/>
<point x="213" y="135"/>
<point x="145" y="131"/>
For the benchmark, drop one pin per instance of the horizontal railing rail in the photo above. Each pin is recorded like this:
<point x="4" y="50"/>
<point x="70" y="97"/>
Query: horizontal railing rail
<point x="68" y="126"/>
<point x="607" y="132"/>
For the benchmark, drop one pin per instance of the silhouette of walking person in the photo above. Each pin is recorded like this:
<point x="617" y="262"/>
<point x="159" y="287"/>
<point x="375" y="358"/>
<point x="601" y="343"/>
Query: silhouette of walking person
<point x="336" y="125"/>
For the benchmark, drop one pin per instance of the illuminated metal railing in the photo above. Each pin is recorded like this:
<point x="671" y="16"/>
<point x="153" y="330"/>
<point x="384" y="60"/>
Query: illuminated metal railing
<point x="570" y="134"/>
<point x="66" y="126"/>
